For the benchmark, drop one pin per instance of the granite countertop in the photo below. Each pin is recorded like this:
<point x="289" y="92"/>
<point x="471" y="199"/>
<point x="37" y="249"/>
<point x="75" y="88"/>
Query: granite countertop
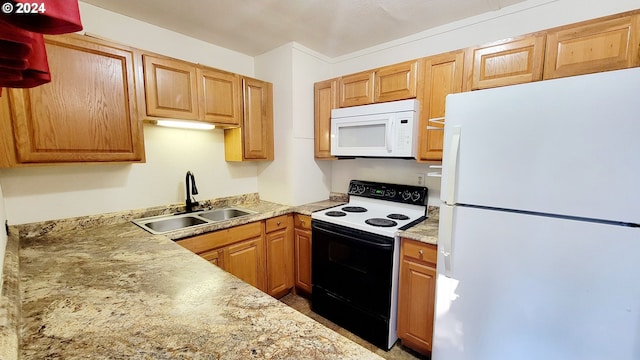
<point x="114" y="291"/>
<point x="101" y="287"/>
<point x="426" y="231"/>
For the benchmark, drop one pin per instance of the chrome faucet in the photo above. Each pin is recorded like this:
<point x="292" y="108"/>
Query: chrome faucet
<point x="190" y="203"/>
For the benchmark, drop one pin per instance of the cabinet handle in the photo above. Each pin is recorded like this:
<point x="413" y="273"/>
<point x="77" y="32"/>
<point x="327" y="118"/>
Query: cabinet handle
<point x="420" y="252"/>
<point x="278" y="223"/>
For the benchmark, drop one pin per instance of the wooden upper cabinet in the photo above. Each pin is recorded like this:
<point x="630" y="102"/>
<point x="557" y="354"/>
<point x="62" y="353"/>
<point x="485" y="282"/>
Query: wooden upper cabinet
<point x="171" y="89"/>
<point x="220" y="96"/>
<point x="254" y="139"/>
<point x="356" y="89"/>
<point x="258" y="119"/>
<point x="507" y="62"/>
<point x="325" y="100"/>
<point x="396" y="82"/>
<point x="87" y="113"/>
<point x="443" y="75"/>
<point x="593" y="46"/>
<point x="178" y="89"/>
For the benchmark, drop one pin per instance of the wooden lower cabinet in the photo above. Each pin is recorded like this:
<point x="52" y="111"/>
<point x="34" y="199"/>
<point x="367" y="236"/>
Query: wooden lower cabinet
<point x="216" y="257"/>
<point x="279" y="244"/>
<point x="416" y="298"/>
<point x="238" y="250"/>
<point x="246" y="261"/>
<point x="302" y="245"/>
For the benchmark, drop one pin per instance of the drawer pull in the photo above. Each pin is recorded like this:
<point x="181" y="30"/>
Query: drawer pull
<point x="278" y="223"/>
<point x="421" y="252"/>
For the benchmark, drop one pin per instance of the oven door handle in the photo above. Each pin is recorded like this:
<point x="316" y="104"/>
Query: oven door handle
<point x="385" y="246"/>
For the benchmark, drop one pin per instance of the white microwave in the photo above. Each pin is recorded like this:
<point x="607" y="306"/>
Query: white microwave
<point x="378" y="130"/>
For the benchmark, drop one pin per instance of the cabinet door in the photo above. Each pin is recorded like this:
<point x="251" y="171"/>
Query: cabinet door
<point x="220" y="97"/>
<point x="170" y="88"/>
<point x="246" y="261"/>
<point x="416" y="296"/>
<point x="507" y="62"/>
<point x="593" y="46"/>
<point x="442" y="76"/>
<point x="325" y="100"/>
<point x="396" y="82"/>
<point x="280" y="256"/>
<point x="302" y="246"/>
<point x="87" y="113"/>
<point x="356" y="89"/>
<point x="258" y="119"/>
<point x="216" y="257"/>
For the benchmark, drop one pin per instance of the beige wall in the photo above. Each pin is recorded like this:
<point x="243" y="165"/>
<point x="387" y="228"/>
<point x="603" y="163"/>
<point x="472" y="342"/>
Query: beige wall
<point x="54" y="192"/>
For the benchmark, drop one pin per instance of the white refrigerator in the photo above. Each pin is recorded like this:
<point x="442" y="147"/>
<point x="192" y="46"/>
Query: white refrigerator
<point x="539" y="242"/>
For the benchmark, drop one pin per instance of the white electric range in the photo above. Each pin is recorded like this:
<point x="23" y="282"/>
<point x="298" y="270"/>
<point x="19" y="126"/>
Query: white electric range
<point x="356" y="257"/>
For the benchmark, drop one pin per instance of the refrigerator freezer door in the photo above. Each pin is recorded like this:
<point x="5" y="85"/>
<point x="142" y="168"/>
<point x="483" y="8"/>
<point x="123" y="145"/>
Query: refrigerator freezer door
<point x="533" y="287"/>
<point x="566" y="146"/>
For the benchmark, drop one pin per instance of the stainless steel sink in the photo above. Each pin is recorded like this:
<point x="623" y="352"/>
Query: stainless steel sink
<point x="166" y="223"/>
<point x="173" y="223"/>
<point x="224" y="214"/>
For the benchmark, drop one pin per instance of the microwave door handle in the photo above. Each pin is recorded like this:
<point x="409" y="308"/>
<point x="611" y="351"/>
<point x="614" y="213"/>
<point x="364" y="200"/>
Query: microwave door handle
<point x="390" y="129"/>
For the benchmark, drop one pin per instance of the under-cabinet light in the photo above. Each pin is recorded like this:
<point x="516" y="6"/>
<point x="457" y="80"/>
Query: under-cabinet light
<point x="185" y="124"/>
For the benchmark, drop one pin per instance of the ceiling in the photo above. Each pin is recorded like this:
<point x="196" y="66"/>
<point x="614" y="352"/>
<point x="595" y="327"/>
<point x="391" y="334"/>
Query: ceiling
<point x="330" y="27"/>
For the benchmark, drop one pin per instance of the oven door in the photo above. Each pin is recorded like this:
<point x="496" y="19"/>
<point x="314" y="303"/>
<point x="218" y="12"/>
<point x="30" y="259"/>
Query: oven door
<point x="352" y="281"/>
<point x="353" y="265"/>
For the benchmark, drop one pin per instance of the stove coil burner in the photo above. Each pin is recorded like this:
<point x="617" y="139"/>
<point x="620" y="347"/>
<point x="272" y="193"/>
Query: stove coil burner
<point x="398" y="216"/>
<point x="354" y="209"/>
<point x="381" y="222"/>
<point x="335" y="213"/>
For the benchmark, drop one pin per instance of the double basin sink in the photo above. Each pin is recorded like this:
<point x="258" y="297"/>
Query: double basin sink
<point x="166" y="223"/>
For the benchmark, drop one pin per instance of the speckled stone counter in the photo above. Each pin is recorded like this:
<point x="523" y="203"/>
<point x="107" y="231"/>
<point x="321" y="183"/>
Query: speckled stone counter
<point x="426" y="231"/>
<point x="113" y="291"/>
<point x="10" y="302"/>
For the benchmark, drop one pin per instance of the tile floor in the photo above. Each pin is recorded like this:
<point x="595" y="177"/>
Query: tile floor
<point x="397" y="352"/>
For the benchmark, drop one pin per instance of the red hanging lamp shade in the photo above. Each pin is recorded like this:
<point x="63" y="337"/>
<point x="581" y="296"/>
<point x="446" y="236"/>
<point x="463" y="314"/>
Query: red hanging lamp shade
<point x="23" y="56"/>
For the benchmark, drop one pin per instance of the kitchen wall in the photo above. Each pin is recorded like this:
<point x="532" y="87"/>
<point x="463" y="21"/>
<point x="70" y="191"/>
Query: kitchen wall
<point x="522" y="18"/>
<point x="293" y="177"/>
<point x="54" y="192"/>
<point x="42" y="193"/>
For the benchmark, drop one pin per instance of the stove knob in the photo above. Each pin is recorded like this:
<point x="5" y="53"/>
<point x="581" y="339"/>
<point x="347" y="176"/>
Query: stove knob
<point x="406" y="195"/>
<point x="361" y="189"/>
<point x="415" y="196"/>
<point x="391" y="193"/>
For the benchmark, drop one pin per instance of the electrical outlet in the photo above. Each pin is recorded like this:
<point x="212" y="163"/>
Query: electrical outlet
<point x="420" y="179"/>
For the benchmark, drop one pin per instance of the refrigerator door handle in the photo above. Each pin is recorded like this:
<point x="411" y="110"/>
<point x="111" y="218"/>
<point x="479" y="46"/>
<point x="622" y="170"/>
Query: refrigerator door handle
<point x="452" y="165"/>
<point x="445" y="238"/>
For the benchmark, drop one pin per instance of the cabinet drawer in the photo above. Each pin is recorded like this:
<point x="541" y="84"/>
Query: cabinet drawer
<point x="216" y="239"/>
<point x="302" y="221"/>
<point x="420" y="251"/>
<point x="276" y="223"/>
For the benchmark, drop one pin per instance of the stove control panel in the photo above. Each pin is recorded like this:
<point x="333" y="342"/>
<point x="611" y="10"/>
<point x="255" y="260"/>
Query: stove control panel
<point x="408" y="194"/>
